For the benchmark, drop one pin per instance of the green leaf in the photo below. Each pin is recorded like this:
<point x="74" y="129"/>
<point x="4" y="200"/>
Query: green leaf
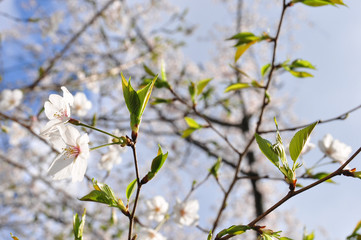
<point x="267" y="150"/>
<point x="78" y="226"/>
<point x="237" y="86"/>
<point x="210" y="235"/>
<point x="192" y="123"/>
<point x="161" y="100"/>
<point x="315" y="3"/>
<point x="144" y="95"/>
<point x="214" y="169"/>
<point x="233" y="230"/>
<point x="299" y="140"/>
<point x="242" y="49"/>
<point x="322" y="175"/>
<point x="300" y="74"/>
<point x="300" y="63"/>
<point x="265" y="69"/>
<point x="202" y="84"/>
<point x="310" y="236"/>
<point x="130" y="189"/>
<point x="158" y="161"/>
<point x="98" y="196"/>
<point x="130" y="96"/>
<point x="188" y="132"/>
<point x="148" y="70"/>
<point x="244" y="38"/>
<point x="192" y="91"/>
<point x="162" y="71"/>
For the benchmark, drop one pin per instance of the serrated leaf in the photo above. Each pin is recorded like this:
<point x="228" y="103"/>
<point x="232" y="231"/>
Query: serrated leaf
<point x="192" y="123"/>
<point x="300" y="74"/>
<point x="242" y="49"/>
<point x="130" y="189"/>
<point x="299" y="140"/>
<point x="266" y="148"/>
<point x="97" y="196"/>
<point x="237" y="86"/>
<point x="265" y="69"/>
<point x="202" y="84"/>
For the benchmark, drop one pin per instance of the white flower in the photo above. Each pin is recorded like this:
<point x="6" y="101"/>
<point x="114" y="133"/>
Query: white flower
<point x="57" y="110"/>
<point x="16" y="134"/>
<point x="150" y="234"/>
<point x="186" y="213"/>
<point x="334" y="149"/>
<point x="109" y="159"/>
<point x="9" y="99"/>
<point x="73" y="161"/>
<point x="81" y="104"/>
<point x="157" y="208"/>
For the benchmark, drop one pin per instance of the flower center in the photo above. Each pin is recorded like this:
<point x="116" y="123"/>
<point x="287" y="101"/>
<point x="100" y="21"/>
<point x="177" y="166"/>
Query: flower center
<point x="62" y="115"/>
<point x="183" y="212"/>
<point x="72" y="151"/>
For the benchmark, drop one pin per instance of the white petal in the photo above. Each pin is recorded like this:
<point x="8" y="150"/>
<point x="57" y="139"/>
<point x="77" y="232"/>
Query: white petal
<point x="79" y="169"/>
<point x="69" y="134"/>
<point x="68" y="97"/>
<point x="61" y="167"/>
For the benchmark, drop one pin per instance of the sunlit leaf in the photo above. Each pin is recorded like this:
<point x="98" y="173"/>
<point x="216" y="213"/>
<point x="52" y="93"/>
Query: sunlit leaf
<point x="130" y="189"/>
<point x="266" y="148"/>
<point x="192" y="123"/>
<point x="265" y="69"/>
<point x="300" y="74"/>
<point x="241" y="49"/>
<point x="299" y="140"/>
<point x="214" y="169"/>
<point x="300" y="63"/>
<point x="237" y="86"/>
<point x="233" y="230"/>
<point x="202" y="84"/>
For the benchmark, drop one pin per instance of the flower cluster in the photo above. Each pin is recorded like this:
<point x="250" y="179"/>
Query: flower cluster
<point x="10" y="99"/>
<point x="72" y="161"/>
<point x="334" y="149"/>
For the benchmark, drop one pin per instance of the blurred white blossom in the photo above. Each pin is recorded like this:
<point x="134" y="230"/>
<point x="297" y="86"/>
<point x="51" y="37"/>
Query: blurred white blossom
<point x="73" y="161"/>
<point x="10" y="99"/>
<point x="157" y="208"/>
<point x="109" y="159"/>
<point x="334" y="149"/>
<point x="57" y="110"/>
<point x="16" y="134"/>
<point x="81" y="104"/>
<point x="150" y="234"/>
<point x="186" y="213"/>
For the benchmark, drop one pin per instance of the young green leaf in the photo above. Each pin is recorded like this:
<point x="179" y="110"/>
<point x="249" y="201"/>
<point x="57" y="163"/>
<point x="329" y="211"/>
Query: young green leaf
<point x="299" y="140"/>
<point x="233" y="230"/>
<point x="158" y="161"/>
<point x="202" y="84"/>
<point x="98" y="196"/>
<point x="315" y="3"/>
<point x="162" y="71"/>
<point x="130" y="189"/>
<point x="192" y="91"/>
<point x="214" y="169"/>
<point x="267" y="149"/>
<point x="300" y="63"/>
<point x="148" y="70"/>
<point x="130" y="96"/>
<point x="186" y="133"/>
<point x="144" y="95"/>
<point x="300" y="74"/>
<point x="265" y="69"/>
<point x="192" y="123"/>
<point x="242" y="49"/>
<point x="237" y="86"/>
<point x="161" y="100"/>
<point x="78" y="226"/>
<point x="209" y="235"/>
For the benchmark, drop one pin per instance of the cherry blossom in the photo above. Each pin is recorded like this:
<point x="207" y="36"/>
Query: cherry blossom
<point x="334" y="149"/>
<point x="72" y="162"/>
<point x="17" y="133"/>
<point x="109" y="159"/>
<point x="186" y="213"/>
<point x="157" y="208"/>
<point x="57" y="110"/>
<point x="81" y="104"/>
<point x="10" y="99"/>
<point x="150" y="234"/>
